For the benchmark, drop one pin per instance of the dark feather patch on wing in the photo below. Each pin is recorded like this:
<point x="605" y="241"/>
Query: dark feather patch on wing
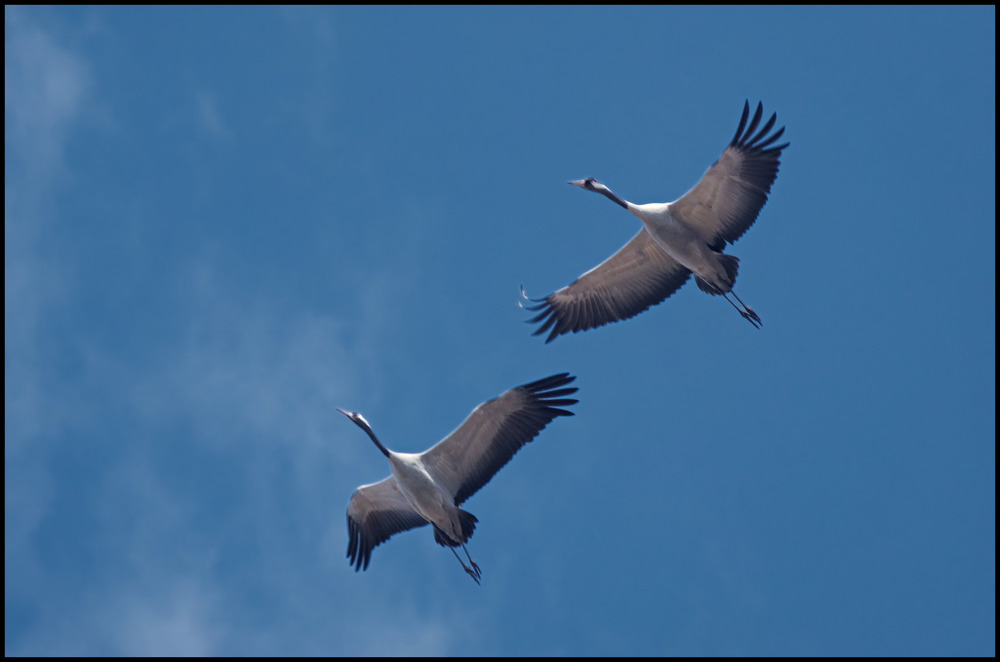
<point x="638" y="276"/>
<point x="729" y="197"/>
<point x="376" y="513"/>
<point x="474" y="452"/>
<point x="543" y="402"/>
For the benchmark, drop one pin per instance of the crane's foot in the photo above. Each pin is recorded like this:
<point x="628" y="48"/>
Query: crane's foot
<point x="752" y="318"/>
<point x="473" y="571"/>
<point x="746" y="311"/>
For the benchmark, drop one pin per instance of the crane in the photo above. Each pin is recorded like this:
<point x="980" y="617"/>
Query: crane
<point x="677" y="239"/>
<point x="430" y="487"/>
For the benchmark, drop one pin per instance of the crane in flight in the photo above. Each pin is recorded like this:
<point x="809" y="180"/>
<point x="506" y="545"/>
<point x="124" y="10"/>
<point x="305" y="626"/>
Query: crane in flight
<point x="430" y="487"/>
<point x="677" y="239"/>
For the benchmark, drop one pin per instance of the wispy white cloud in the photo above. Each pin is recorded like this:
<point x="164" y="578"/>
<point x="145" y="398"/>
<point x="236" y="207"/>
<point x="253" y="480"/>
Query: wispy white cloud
<point x="254" y="390"/>
<point x="46" y="87"/>
<point x="173" y="617"/>
<point x="179" y="622"/>
<point x="158" y="596"/>
<point x="223" y="500"/>
<point x="261" y="383"/>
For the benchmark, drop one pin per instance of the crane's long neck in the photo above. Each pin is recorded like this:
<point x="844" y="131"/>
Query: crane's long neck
<point x="371" y="433"/>
<point x="606" y="192"/>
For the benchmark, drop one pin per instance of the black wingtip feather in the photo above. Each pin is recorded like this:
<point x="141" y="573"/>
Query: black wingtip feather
<point x="540" y="317"/>
<point x="777" y="134"/>
<point x="764" y="129"/>
<point x="744" y="139"/>
<point x="550" y="382"/>
<point x="525" y="297"/>
<point x="755" y="121"/>
<point x="540" y="406"/>
<point x="546" y="315"/>
<point x="743" y="122"/>
<point x="547" y="392"/>
<point x="562" y="391"/>
<point x="549" y="318"/>
<point x="359" y="551"/>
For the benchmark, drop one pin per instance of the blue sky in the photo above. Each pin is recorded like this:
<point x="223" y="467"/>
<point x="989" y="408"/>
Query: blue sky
<point x="223" y="224"/>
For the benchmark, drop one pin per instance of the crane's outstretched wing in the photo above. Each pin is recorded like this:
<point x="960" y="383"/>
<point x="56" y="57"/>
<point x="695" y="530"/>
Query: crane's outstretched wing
<point x="638" y="276"/>
<point x="725" y="203"/>
<point x="376" y="513"/>
<point x="469" y="457"/>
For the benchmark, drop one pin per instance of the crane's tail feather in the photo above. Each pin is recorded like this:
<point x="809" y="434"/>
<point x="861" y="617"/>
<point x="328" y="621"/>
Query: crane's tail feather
<point x="731" y="265"/>
<point x="468" y="523"/>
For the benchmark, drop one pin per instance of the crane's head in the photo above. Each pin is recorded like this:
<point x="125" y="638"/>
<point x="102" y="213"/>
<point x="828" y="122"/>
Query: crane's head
<point x="592" y="184"/>
<point x="360" y="421"/>
<point x="357" y="419"/>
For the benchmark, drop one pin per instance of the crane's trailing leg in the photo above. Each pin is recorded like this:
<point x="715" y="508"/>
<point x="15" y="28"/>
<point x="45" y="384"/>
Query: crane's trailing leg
<point x="474" y="571"/>
<point x="473" y="564"/>
<point x="746" y="311"/>
<point x="749" y="310"/>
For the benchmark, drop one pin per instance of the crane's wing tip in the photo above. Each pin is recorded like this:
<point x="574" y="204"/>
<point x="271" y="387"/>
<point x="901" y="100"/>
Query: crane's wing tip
<point x="546" y="387"/>
<point x="538" y="306"/>
<point x="524" y="295"/>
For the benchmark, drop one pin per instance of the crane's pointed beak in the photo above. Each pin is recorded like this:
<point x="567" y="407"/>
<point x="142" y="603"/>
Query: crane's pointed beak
<point x="578" y="182"/>
<point x="345" y="413"/>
